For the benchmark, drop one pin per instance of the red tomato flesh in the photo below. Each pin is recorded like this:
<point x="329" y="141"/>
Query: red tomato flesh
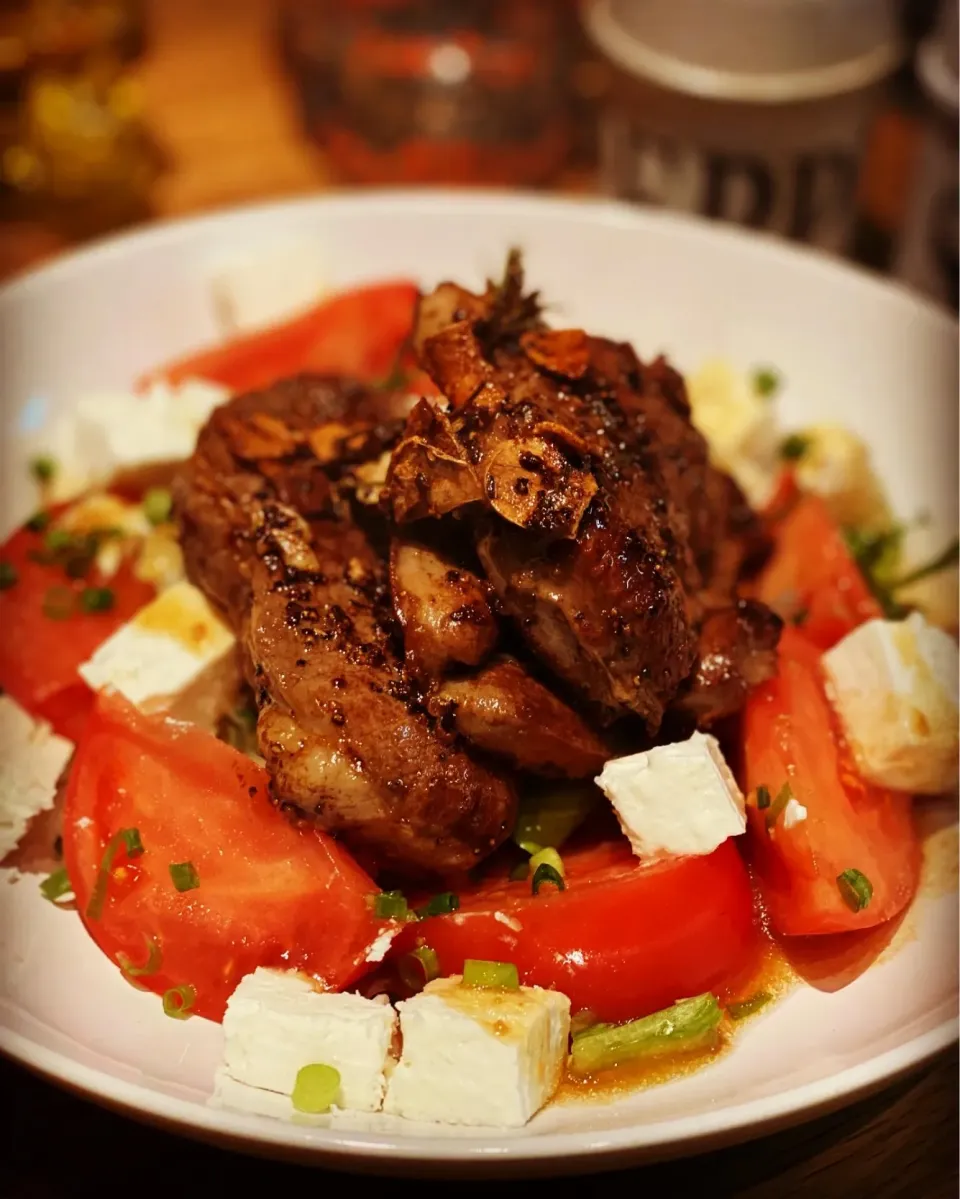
<point x="812" y="572"/>
<point x="357" y="333"/>
<point x="39" y="655"/>
<point x="792" y="736"/>
<point x="622" y="940"/>
<point x="269" y="894"/>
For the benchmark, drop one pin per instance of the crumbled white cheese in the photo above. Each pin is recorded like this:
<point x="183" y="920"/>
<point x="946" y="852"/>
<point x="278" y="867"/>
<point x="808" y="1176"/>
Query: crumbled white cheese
<point x="835" y="464"/>
<point x="103" y="434"/>
<point x="378" y="950"/>
<point x="102" y="511"/>
<point x="478" y="1056"/>
<point x="32" y="758"/>
<point x="175" y="656"/>
<point x="268" y="287"/>
<point x="278" y="1022"/>
<point x="740" y="426"/>
<point x="675" y="799"/>
<point x="894" y="685"/>
<point x="794" y="813"/>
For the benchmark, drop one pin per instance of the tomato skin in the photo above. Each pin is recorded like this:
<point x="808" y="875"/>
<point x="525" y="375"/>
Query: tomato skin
<point x="622" y="940"/>
<point x="39" y="656"/>
<point x="791" y="734"/>
<point x="269" y="894"/>
<point x="357" y="333"/>
<point x="811" y="571"/>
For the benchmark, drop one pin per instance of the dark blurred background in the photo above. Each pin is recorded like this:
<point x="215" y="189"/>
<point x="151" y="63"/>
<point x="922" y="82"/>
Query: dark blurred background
<point x="829" y="122"/>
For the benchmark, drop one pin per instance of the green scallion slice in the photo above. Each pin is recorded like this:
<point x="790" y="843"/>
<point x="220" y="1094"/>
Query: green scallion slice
<point x="390" y="905"/>
<point x="316" y="1089"/>
<point x="97" y="599"/>
<point x="439" y="905"/>
<point x="55" y="886"/>
<point x="38" y="522"/>
<point x="184" y="875"/>
<point x="549" y="815"/>
<point x="763" y="797"/>
<point x="157" y="505"/>
<point x="775" y="811"/>
<point x="746" y="1007"/>
<point x="150" y="966"/>
<point x="766" y="382"/>
<point x="43" y="468"/>
<point x="8" y="575"/>
<point x="856" y="889"/>
<point x="129" y="838"/>
<point x="793" y="448"/>
<point x="686" y="1027"/>
<point x="178" y="1001"/>
<point x="492" y="975"/>
<point x="58" y="603"/>
<point x="419" y="967"/>
<point x="547" y="870"/>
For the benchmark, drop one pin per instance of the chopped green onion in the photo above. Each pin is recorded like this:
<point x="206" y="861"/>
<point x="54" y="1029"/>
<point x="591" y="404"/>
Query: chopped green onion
<point x="184" y="875"/>
<point x="546" y="818"/>
<point x="763" y="797"/>
<point x="129" y="838"/>
<point x="439" y="905"/>
<point x="390" y="905"/>
<point x="766" y="381"/>
<point x="946" y="557"/>
<point x="59" y="539"/>
<point x="157" y="505"/>
<point x="8" y="575"/>
<point x="58" y="603"/>
<point x="178" y="1001"/>
<point x="775" y="811"/>
<point x="793" y="448"/>
<point x="746" y="1007"/>
<point x="96" y="599"/>
<point x="56" y="885"/>
<point x="691" y="1024"/>
<point x="151" y="965"/>
<point x="856" y="889"/>
<point x="43" y="468"/>
<point x="38" y="522"/>
<point x="878" y="555"/>
<point x="547" y="867"/>
<point x="419" y="967"/>
<point x="316" y="1089"/>
<point x="490" y="975"/>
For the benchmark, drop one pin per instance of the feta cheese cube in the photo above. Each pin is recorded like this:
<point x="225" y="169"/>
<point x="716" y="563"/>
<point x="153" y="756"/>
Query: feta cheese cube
<point x="740" y="426"/>
<point x="105" y="434"/>
<point x="175" y="656"/>
<point x="269" y="287"/>
<point x="894" y="686"/>
<point x="278" y="1022"/>
<point x="32" y="758"/>
<point x="835" y="464"/>
<point x="675" y="799"/>
<point x="477" y="1056"/>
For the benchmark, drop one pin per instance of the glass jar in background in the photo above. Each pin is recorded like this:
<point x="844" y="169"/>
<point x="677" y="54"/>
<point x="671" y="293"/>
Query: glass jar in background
<point x="440" y="91"/>
<point x="82" y="161"/>
<point x="753" y="113"/>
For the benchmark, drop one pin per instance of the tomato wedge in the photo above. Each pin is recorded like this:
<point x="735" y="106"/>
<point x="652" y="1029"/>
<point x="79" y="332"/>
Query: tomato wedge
<point x="622" y="940"/>
<point x="791" y="736"/>
<point x="357" y="333"/>
<point x="39" y="654"/>
<point x="812" y="578"/>
<point x="268" y="894"/>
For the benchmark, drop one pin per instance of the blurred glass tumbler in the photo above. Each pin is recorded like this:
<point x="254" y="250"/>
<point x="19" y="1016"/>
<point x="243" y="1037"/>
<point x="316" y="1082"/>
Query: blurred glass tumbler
<point x="749" y="111"/>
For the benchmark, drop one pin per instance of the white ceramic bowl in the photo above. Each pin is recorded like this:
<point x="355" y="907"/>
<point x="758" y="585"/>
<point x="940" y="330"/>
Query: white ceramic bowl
<point x="850" y="348"/>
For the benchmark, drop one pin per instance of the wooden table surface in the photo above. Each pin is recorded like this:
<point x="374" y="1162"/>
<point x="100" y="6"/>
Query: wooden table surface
<point x="218" y="102"/>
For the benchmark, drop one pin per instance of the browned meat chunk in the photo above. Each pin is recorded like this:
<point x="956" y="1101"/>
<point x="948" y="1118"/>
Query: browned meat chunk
<point x="738" y="650"/>
<point x="443" y="609"/>
<point x="347" y="741"/>
<point x="506" y="712"/>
